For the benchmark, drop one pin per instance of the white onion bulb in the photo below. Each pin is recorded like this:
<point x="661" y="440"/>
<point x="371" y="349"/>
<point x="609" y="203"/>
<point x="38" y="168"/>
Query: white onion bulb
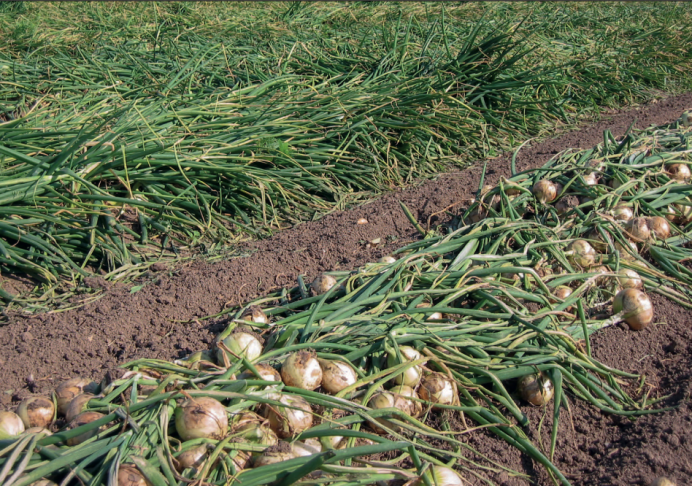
<point x="285" y="421"/>
<point x="637" y="307"/>
<point x="659" y="227"/>
<point x="413" y="374"/>
<point x="308" y="447"/>
<point x="441" y="476"/>
<point x="388" y="400"/>
<point x="192" y="458"/>
<point x="255" y="430"/>
<point x="662" y="480"/>
<point x="36" y="412"/>
<point x="639" y="228"/>
<point x="629" y="279"/>
<point x="536" y="389"/>
<point x="267" y="373"/>
<point x="255" y="314"/>
<point x="626" y="253"/>
<point x="336" y="375"/>
<point x="10" y="425"/>
<point x="436" y="388"/>
<point x="582" y="253"/>
<point x="679" y="172"/>
<point x="545" y="191"/>
<point x="415" y="407"/>
<point x="77" y="406"/>
<point x="242" y="342"/>
<point x="273" y="455"/>
<point x="69" y="389"/>
<point x="83" y="419"/>
<point x="302" y="370"/>
<point x="387" y="259"/>
<point x="202" y="417"/>
<point x="129" y="475"/>
<point x="622" y="213"/>
<point x="322" y="284"/>
<point x="591" y="179"/>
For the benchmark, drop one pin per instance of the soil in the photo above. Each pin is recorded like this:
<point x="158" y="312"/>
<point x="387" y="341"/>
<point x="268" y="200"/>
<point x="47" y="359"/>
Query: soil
<point x="162" y="320"/>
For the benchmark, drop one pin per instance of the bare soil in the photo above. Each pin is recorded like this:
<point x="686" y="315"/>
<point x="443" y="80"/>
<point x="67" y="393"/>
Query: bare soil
<point x="162" y="321"/>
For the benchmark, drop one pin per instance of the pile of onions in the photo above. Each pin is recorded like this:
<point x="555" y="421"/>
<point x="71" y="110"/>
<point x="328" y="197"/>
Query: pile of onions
<point x="581" y="253"/>
<point x="201" y="418"/>
<point x="441" y="476"/>
<point x="10" y="425"/>
<point x="437" y="388"/>
<point x="129" y="475"/>
<point x="336" y="375"/>
<point x="290" y="420"/>
<point x="302" y="370"/>
<point x="413" y="374"/>
<point x="322" y="284"/>
<point x="546" y="191"/>
<point x="636" y="307"/>
<point x="69" y="389"/>
<point x="255" y="314"/>
<point x="37" y="412"/>
<point x="83" y="419"/>
<point x="537" y="389"/>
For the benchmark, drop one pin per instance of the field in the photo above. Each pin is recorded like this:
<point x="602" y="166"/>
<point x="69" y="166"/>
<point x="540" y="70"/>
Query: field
<point x="166" y="165"/>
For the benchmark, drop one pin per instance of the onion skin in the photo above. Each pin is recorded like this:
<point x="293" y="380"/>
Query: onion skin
<point x="280" y="452"/>
<point x="545" y="191"/>
<point x="82" y="419"/>
<point x="582" y="253"/>
<point x="69" y="389"/>
<point x="622" y="213"/>
<point x="629" y="279"/>
<point x="201" y="418"/>
<point x="387" y="259"/>
<point x="388" y="400"/>
<point x="538" y="390"/>
<point x="336" y="375"/>
<point x="302" y="370"/>
<point x="288" y="422"/>
<point x="255" y="314"/>
<point x="11" y="425"/>
<point x="659" y="227"/>
<point x="415" y="408"/>
<point x="308" y="447"/>
<point x="322" y="284"/>
<point x="437" y="388"/>
<point x="129" y="475"/>
<point x="36" y="412"/>
<point x="77" y="406"/>
<point x="638" y="228"/>
<point x="412" y="375"/>
<point x="191" y="458"/>
<point x="679" y="172"/>
<point x="637" y="307"/>
<point x="242" y="342"/>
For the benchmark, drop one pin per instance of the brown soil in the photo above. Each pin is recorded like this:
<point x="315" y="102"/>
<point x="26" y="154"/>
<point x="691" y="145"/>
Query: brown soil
<point x="160" y="321"/>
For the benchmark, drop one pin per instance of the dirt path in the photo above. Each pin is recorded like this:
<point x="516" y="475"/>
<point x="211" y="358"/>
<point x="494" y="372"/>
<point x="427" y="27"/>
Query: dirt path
<point x="122" y="326"/>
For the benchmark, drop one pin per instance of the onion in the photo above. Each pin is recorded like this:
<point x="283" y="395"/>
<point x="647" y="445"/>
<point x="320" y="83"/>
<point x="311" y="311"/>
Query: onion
<point x="36" y="411"/>
<point x="285" y="421"/>
<point x="679" y="172"/>
<point x="636" y="307"/>
<point x="604" y="271"/>
<point x="255" y="314"/>
<point x="582" y="253"/>
<point x="562" y="292"/>
<point x="436" y="388"/>
<point x="387" y="259"/>
<point x="302" y="370"/>
<point x="197" y="360"/>
<point x="662" y="480"/>
<point x="267" y="373"/>
<point x="412" y="375"/>
<point x="336" y="375"/>
<point x="629" y="279"/>
<point x="435" y="316"/>
<point x="591" y="179"/>
<point x="362" y="221"/>
<point x="626" y="253"/>
<point x="191" y="458"/>
<point x="566" y="204"/>
<point x="537" y="389"/>
<point x="253" y="430"/>
<point x="322" y="284"/>
<point x="77" y="406"/>
<point x="597" y="240"/>
<point x="201" y="417"/>
<point x="306" y="448"/>
<point x="277" y="453"/>
<point x="639" y="229"/>
<point x="441" y="476"/>
<point x="69" y="389"/>
<point x="388" y="400"/>
<point x="545" y="191"/>
<point x="659" y="227"/>
<point x="129" y="475"/>
<point x="622" y="213"/>
<point x="83" y="419"/>
<point x="686" y="121"/>
<point x="11" y="425"/>
<point x="242" y="342"/>
<point x="415" y="408"/>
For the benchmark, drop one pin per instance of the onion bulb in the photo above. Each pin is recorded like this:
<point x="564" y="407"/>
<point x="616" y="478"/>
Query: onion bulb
<point x="83" y="419"/>
<point x="388" y="400"/>
<point x="662" y="480"/>
<point x="287" y="422"/>
<point x="604" y="272"/>
<point x="436" y="388"/>
<point x="77" y="406"/>
<point x="69" y="389"/>
<point x="308" y="447"/>
<point x="415" y="407"/>
<point x="129" y="475"/>
<point x="242" y="342"/>
<point x="197" y="360"/>
<point x="659" y="227"/>
<point x="636" y="307"/>
<point x="267" y="373"/>
<point x="255" y="314"/>
<point x="36" y="412"/>
<point x="387" y="259"/>
<point x="191" y="458"/>
<point x="336" y="375"/>
<point x="638" y="228"/>
<point x="679" y="172"/>
<point x="322" y="284"/>
<point x="545" y="191"/>
<point x="537" y="389"/>
<point x="201" y="418"/>
<point x="302" y="370"/>
<point x="629" y="279"/>
<point x="597" y="241"/>
<point x="255" y="432"/>
<point x="11" y="425"/>
<point x="622" y="213"/>
<point x="591" y="179"/>
<point x="626" y="253"/>
<point x="441" y="476"/>
<point x="582" y="253"/>
<point x="412" y="375"/>
<point x="272" y="455"/>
